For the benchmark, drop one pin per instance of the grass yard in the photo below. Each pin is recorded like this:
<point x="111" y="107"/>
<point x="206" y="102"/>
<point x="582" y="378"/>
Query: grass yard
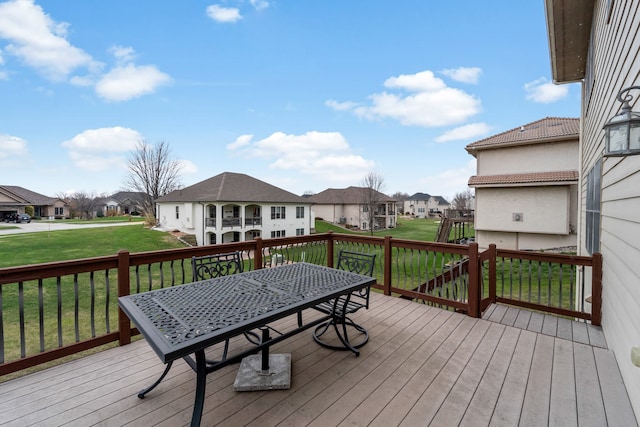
<point x="48" y="246"/>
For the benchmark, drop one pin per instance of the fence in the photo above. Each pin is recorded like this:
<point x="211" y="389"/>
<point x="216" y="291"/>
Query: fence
<point x="53" y="310"/>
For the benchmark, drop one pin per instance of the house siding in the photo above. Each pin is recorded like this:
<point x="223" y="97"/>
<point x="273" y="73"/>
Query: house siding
<point x="616" y="65"/>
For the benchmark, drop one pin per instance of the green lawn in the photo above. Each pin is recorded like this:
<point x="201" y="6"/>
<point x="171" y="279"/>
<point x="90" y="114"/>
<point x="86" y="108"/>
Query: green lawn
<point x="48" y="246"/>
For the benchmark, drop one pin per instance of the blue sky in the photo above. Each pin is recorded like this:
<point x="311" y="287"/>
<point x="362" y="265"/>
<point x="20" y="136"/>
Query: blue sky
<point x="306" y="95"/>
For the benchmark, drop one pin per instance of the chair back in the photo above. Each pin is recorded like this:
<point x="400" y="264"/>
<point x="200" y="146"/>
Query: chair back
<point x="361" y="263"/>
<point x="356" y="262"/>
<point x="211" y="266"/>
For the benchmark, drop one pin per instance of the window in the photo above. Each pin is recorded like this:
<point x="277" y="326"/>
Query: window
<point x="278" y="233"/>
<point x="299" y="211"/>
<point x="277" y="212"/>
<point x="59" y="211"/>
<point x="592" y="232"/>
<point x="299" y="231"/>
<point x="177" y="212"/>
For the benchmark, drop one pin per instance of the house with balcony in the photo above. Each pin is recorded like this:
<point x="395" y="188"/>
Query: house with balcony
<point x="596" y="43"/>
<point x="234" y="207"/>
<point x="423" y="205"/>
<point x="526" y="186"/>
<point x="351" y="207"/>
<point x="14" y="199"/>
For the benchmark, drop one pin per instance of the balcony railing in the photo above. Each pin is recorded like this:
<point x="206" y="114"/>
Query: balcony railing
<point x="210" y="222"/>
<point x="253" y="221"/>
<point x="230" y="222"/>
<point x="52" y="310"/>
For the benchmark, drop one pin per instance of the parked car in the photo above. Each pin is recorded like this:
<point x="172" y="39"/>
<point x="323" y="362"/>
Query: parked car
<point x="23" y="218"/>
<point x="14" y="217"/>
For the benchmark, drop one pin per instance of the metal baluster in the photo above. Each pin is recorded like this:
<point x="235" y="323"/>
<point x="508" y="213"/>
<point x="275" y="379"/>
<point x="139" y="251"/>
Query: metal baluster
<point x="41" y="314"/>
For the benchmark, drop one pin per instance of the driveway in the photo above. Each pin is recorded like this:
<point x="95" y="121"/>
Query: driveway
<point x="36" y="226"/>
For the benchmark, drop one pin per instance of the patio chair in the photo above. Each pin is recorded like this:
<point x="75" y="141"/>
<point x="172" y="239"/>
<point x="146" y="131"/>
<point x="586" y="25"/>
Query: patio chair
<point x="212" y="266"/>
<point x="354" y="262"/>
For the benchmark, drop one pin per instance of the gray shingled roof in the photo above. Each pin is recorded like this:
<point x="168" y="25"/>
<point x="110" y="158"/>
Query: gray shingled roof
<point x="524" y="178"/>
<point x="30" y="197"/>
<point x="420" y="196"/>
<point x="345" y="196"/>
<point x="232" y="187"/>
<point x="544" y="130"/>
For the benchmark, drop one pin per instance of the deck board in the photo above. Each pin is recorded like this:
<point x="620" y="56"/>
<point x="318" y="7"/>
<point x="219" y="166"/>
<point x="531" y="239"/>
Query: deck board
<point x="422" y="366"/>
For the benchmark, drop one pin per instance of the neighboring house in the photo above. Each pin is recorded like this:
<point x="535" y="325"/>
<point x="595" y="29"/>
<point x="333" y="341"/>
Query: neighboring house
<point x="233" y="207"/>
<point x="423" y="205"/>
<point x="596" y="43"/>
<point x="526" y="187"/>
<point x="348" y="206"/>
<point x="14" y="199"/>
<point x="122" y="203"/>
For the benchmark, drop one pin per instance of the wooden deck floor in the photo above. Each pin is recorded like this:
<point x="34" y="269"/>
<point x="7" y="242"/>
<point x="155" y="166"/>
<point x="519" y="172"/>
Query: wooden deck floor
<point x="422" y="366"/>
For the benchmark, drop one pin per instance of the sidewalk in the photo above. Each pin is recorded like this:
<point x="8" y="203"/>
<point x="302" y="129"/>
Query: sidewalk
<point x="37" y="226"/>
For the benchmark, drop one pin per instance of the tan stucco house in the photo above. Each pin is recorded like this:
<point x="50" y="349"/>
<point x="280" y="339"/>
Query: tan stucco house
<point x="234" y="207"/>
<point x="122" y="203"/>
<point x="14" y="199"/>
<point x="526" y="186"/>
<point x="349" y="206"/>
<point x="597" y="43"/>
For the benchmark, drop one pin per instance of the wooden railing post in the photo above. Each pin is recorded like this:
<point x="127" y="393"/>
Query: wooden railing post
<point x="257" y="254"/>
<point x="330" y="250"/>
<point x="124" y="324"/>
<point x="596" y="290"/>
<point x="386" y="277"/>
<point x="475" y="289"/>
<point x="492" y="273"/>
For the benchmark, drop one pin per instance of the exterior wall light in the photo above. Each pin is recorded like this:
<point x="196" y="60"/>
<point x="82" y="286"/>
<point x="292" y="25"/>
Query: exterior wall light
<point x="622" y="132"/>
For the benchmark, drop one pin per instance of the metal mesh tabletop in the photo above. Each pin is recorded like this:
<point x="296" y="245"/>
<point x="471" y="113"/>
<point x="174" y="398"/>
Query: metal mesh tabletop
<point x="179" y="316"/>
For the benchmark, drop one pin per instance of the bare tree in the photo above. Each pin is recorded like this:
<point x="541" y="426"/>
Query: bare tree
<point x="463" y="199"/>
<point x="373" y="184"/>
<point x="154" y="172"/>
<point x="400" y="197"/>
<point x="83" y="204"/>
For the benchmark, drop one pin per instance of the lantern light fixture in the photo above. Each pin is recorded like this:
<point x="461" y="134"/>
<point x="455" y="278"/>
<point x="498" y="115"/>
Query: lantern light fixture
<point x="622" y="131"/>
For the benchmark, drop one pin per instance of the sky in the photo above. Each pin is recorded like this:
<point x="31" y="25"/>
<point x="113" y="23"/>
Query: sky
<point x="305" y="95"/>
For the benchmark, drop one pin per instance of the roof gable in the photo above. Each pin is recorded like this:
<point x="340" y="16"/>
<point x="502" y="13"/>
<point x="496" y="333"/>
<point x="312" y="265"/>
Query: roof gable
<point x="232" y="187"/>
<point x="22" y="195"/>
<point x="549" y="129"/>
<point x="345" y="196"/>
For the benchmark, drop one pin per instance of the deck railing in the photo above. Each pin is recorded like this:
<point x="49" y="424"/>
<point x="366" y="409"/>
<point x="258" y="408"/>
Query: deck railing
<point x="53" y="310"/>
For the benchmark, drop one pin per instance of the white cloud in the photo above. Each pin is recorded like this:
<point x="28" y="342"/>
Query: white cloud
<point x="13" y="151"/>
<point x="130" y="81"/>
<point x="260" y="4"/>
<point x="4" y="75"/>
<point x="39" y="41"/>
<point x="322" y="155"/>
<point x="432" y="103"/>
<point x="544" y="91"/>
<point x="419" y="82"/>
<point x="463" y="74"/>
<point x="223" y="14"/>
<point x="471" y="130"/>
<point x="241" y="141"/>
<point x="451" y="181"/>
<point x="103" y="148"/>
<point x="340" y="106"/>
<point x="187" y="167"/>
<point x="123" y="54"/>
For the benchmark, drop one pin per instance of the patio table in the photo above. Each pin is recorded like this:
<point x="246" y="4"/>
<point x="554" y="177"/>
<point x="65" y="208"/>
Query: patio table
<point x="182" y="321"/>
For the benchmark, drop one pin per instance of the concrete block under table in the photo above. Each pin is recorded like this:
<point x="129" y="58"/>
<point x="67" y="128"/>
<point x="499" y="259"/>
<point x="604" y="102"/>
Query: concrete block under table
<point x="252" y="377"/>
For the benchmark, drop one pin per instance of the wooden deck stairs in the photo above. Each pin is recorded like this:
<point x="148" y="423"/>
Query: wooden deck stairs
<point x="444" y="230"/>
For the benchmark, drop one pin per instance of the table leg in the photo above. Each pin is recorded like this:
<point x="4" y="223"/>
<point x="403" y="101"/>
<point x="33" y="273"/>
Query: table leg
<point x="144" y="392"/>
<point x="201" y="385"/>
